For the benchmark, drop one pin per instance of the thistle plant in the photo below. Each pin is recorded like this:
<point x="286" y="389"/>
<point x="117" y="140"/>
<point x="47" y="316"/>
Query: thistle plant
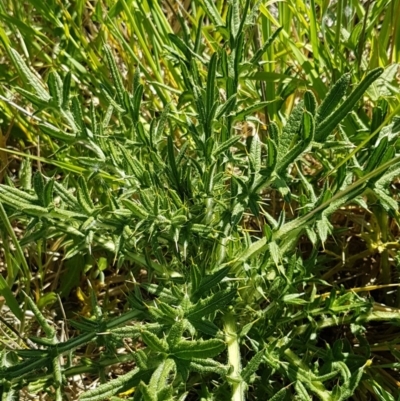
<point x="153" y="178"/>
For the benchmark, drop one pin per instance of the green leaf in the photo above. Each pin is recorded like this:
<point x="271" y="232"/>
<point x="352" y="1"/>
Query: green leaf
<point x="260" y="52"/>
<point x="211" y="304"/>
<point x="83" y="196"/>
<point x="66" y="90"/>
<point x="208" y="366"/>
<point x="135" y="208"/>
<point x="280" y="395"/>
<point x="115" y="74"/>
<point x="211" y="86"/>
<point x="205" y="326"/>
<point x="55" y="85"/>
<point x="240" y="115"/>
<point x="333" y="98"/>
<point x="329" y="123"/>
<point x="226" y="145"/>
<point x="28" y="76"/>
<point x="49" y="330"/>
<point x="307" y="130"/>
<point x="291" y="130"/>
<point x="175" y="333"/>
<point x="213" y="13"/>
<point x="56" y="132"/>
<point x="310" y="102"/>
<point x="165" y="371"/>
<point x="198" y="349"/>
<point x="116" y="386"/>
<point x="211" y="281"/>
<point x="148" y="393"/>
<point x="252" y="366"/>
<point x="154" y="343"/>
<point x="226" y="108"/>
<point x="11" y="301"/>
<point x="38" y="185"/>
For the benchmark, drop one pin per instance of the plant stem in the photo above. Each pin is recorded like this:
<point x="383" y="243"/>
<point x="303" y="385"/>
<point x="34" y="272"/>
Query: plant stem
<point x="234" y="357"/>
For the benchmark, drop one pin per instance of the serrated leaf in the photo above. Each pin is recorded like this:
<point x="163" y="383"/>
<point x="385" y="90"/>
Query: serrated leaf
<point x="226" y="145"/>
<point x="291" y="155"/>
<point x="211" y="281"/>
<point x="280" y="395"/>
<point x="83" y="196"/>
<point x="252" y="366"/>
<point x="38" y="185"/>
<point x="116" y="386"/>
<point x="175" y="333"/>
<point x="310" y="102"/>
<point x="329" y="123"/>
<point x="66" y="90"/>
<point x="332" y="99"/>
<point x="291" y="130"/>
<point x="240" y="115"/>
<point x="135" y="208"/>
<point x="205" y="326"/>
<point x="213" y="13"/>
<point x="115" y="74"/>
<point x="153" y="342"/>
<point x="198" y="349"/>
<point x="208" y="366"/>
<point x="211" y="86"/>
<point x="211" y="304"/>
<point x="162" y="374"/>
<point x="29" y="76"/>
<point x="255" y="154"/>
<point x="226" y="108"/>
<point x="55" y="85"/>
<point x="260" y="52"/>
<point x="56" y="132"/>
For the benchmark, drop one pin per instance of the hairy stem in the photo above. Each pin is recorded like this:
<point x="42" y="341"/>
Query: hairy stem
<point x="234" y="357"/>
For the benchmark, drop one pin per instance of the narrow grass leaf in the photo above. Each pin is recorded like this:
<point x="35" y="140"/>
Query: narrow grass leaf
<point x="10" y="299"/>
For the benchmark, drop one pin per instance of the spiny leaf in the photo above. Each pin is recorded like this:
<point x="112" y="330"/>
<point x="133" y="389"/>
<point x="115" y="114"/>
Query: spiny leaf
<point x="210" y="94"/>
<point x="29" y="76"/>
<point x="333" y="98"/>
<point x="240" y="115"/>
<point x="210" y="281"/>
<point x="83" y="196"/>
<point x="55" y="88"/>
<point x="259" y="53"/>
<point x="116" y="386"/>
<point x="175" y="333"/>
<point x="198" y="349"/>
<point x="211" y="304"/>
<point x="135" y="208"/>
<point x="329" y="123"/>
<point x="116" y="76"/>
<point x="153" y="342"/>
<point x="213" y="13"/>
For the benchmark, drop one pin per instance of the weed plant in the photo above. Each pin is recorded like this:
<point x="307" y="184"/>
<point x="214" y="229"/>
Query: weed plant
<point x="199" y="200"/>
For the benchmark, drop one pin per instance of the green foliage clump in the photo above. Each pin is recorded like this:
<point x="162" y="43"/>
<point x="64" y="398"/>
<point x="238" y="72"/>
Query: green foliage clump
<point x="171" y="156"/>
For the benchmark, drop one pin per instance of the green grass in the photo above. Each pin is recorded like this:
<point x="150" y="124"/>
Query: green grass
<point x="199" y="200"/>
